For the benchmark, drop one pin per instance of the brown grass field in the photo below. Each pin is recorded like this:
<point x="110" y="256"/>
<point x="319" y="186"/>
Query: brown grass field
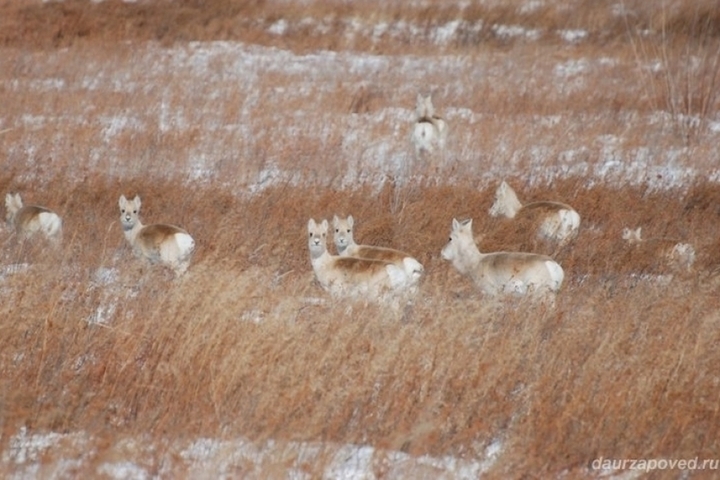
<point x="247" y="344"/>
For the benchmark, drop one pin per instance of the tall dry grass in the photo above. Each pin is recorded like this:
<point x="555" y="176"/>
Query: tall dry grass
<point x="247" y="344"/>
<point x="681" y="71"/>
<point x="241" y="346"/>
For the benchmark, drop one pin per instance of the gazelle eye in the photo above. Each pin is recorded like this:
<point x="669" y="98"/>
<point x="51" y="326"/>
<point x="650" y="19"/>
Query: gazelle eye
<point x="348" y="230"/>
<point x="122" y="210"/>
<point x="337" y="230"/>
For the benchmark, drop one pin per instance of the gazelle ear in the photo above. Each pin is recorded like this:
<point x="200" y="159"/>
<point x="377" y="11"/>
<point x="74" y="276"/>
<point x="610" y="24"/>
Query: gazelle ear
<point x="123" y="201"/>
<point x="429" y="108"/>
<point x="325" y="224"/>
<point x="17" y="201"/>
<point x="351" y="221"/>
<point x="137" y="202"/>
<point x="336" y="220"/>
<point x="455" y="224"/>
<point x="503" y="187"/>
<point x="420" y="106"/>
<point x="311" y="224"/>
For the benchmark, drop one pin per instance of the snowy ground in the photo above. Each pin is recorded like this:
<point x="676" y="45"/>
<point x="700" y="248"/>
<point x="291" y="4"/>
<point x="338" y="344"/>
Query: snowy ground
<point x="207" y="458"/>
<point x="213" y="93"/>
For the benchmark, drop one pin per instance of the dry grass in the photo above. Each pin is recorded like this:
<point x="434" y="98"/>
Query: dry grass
<point x="620" y="367"/>
<point x="247" y="344"/>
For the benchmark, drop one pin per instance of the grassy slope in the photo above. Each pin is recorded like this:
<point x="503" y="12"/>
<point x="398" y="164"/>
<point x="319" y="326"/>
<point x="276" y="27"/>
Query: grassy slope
<point x="620" y="368"/>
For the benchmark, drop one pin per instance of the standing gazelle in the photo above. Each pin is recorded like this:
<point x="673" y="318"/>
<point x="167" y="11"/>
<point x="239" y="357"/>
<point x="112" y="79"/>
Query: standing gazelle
<point x="346" y="247"/>
<point x="501" y="272"/>
<point x="351" y="276"/>
<point x="31" y="219"/>
<point x="677" y="255"/>
<point x="430" y="131"/>
<point x="559" y="222"/>
<point x="161" y="243"/>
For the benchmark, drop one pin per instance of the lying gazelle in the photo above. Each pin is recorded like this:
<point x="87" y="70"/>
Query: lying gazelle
<point x="501" y="272"/>
<point x="31" y="219"/>
<point x="430" y="131"/>
<point x="158" y="243"/>
<point x="346" y="247"/>
<point x="351" y="276"/>
<point x="558" y="222"/>
<point x="677" y="254"/>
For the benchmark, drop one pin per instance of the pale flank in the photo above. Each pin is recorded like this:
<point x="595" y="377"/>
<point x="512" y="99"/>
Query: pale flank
<point x="159" y="243"/>
<point x="347" y="247"/>
<point x="559" y="222"/>
<point x="501" y="272"/>
<point x="350" y="276"/>
<point x="31" y="219"/>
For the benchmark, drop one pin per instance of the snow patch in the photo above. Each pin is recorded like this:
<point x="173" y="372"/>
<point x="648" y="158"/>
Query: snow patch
<point x="573" y="36"/>
<point x="507" y="32"/>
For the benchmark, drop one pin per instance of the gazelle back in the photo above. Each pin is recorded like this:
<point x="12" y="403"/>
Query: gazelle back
<point x="558" y="222"/>
<point x="158" y="243"/>
<point x="430" y="131"/>
<point x="351" y="276"/>
<point x="676" y="255"/>
<point x="347" y="247"/>
<point x="31" y="219"/>
<point x="501" y="272"/>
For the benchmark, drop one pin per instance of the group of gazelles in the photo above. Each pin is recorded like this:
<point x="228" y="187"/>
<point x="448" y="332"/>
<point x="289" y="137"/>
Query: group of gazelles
<point x="367" y="271"/>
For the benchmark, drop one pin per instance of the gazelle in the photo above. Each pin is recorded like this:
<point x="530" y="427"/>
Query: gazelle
<point x="501" y="272"/>
<point x="677" y="254"/>
<point x="430" y="131"/>
<point x="31" y="219"/>
<point x="351" y="276"/>
<point x="346" y="247"/>
<point x="559" y="222"/>
<point x="158" y="243"/>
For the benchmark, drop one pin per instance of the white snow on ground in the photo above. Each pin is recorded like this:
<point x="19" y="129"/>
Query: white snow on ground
<point x="57" y="455"/>
<point x="211" y="72"/>
<point x="573" y="36"/>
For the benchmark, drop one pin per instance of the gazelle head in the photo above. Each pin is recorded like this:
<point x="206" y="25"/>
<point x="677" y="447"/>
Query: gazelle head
<point x="343" y="232"/>
<point x="317" y="237"/>
<point x="506" y="202"/>
<point x="129" y="212"/>
<point x="424" y="107"/>
<point x="461" y="238"/>
<point x="13" y="203"/>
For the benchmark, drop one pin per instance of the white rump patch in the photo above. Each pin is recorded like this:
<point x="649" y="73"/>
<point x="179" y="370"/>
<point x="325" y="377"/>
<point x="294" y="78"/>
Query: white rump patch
<point x="51" y="223"/>
<point x="570" y="220"/>
<point x="413" y="269"/>
<point x="185" y="242"/>
<point x="557" y="275"/>
<point x="424" y="136"/>
<point x="398" y="277"/>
